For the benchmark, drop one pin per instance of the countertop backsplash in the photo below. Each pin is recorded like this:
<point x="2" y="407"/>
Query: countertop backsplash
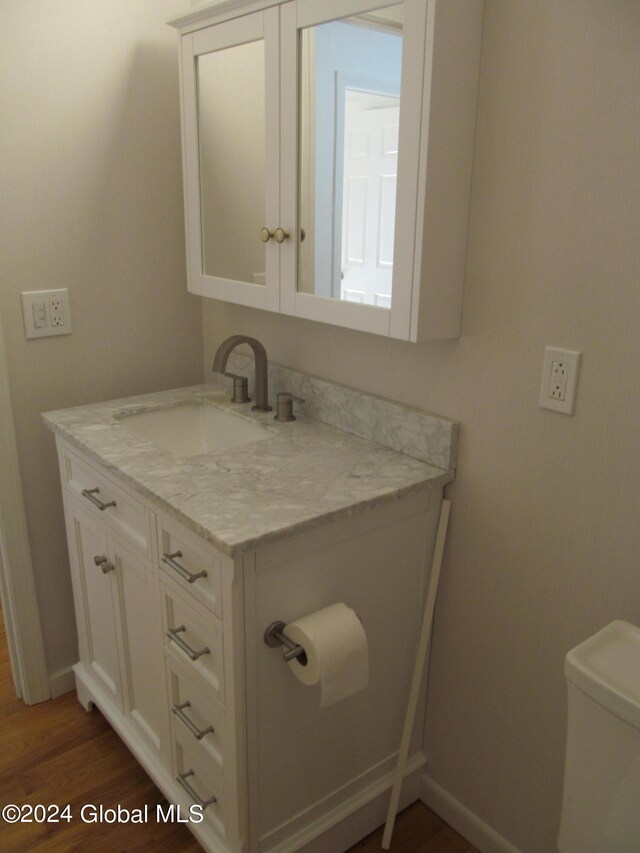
<point x="430" y="438"/>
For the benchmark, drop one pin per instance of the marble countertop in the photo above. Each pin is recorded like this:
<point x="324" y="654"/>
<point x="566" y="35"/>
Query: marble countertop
<point x="304" y="474"/>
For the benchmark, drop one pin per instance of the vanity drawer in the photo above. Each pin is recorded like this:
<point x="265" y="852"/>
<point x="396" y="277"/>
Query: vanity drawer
<point x="193" y="637"/>
<point x="196" y="714"/>
<point x="199" y="784"/>
<point x="193" y="566"/>
<point x="113" y="506"/>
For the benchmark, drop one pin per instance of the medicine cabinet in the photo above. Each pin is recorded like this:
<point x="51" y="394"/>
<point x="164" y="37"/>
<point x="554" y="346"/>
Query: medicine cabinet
<point x="327" y="152"/>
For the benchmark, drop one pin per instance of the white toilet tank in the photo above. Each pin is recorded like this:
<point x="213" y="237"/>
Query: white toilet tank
<point x="601" y="799"/>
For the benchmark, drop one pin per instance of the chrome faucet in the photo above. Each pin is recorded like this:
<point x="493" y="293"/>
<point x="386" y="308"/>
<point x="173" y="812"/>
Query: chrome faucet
<point x="260" y="355"/>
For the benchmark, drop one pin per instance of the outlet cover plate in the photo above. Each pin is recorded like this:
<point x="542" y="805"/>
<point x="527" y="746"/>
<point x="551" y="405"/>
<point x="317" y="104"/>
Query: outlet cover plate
<point x="54" y="320"/>
<point x="560" y="379"/>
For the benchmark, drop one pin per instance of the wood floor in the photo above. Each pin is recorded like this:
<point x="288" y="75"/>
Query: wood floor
<point x="56" y="753"/>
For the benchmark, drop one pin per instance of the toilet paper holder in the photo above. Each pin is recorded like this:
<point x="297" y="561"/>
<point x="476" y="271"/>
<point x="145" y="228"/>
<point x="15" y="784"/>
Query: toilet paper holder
<point x="274" y="637"/>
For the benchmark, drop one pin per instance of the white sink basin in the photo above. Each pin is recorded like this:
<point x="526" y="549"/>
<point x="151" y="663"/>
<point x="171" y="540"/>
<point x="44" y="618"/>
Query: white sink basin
<point x="190" y="429"/>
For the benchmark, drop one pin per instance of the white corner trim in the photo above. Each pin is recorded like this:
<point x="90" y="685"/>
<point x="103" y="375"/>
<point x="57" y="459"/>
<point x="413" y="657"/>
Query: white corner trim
<point x="468" y="824"/>
<point x="62" y="681"/>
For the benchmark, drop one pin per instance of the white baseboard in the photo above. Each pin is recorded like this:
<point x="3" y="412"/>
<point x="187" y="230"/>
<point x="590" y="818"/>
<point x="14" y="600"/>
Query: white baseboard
<point x="354" y="816"/>
<point x="62" y="681"/>
<point x="475" y="830"/>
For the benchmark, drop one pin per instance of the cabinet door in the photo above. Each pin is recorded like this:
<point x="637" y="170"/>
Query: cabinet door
<point x="139" y="608"/>
<point x="352" y="81"/>
<point x="93" y="574"/>
<point x="343" y="130"/>
<point x="378" y="121"/>
<point x="230" y="79"/>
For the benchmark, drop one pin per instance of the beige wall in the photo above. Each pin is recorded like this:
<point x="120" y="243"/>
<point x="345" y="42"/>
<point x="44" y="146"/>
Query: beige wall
<point x="544" y="545"/>
<point x="91" y="199"/>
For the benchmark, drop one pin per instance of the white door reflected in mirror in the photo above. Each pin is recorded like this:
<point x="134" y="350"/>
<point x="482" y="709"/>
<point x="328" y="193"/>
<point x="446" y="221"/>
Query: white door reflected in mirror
<point x="369" y="196"/>
<point x="350" y="109"/>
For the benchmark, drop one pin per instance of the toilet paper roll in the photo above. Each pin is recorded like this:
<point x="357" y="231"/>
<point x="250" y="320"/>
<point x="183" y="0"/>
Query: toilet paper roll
<point x="335" y="644"/>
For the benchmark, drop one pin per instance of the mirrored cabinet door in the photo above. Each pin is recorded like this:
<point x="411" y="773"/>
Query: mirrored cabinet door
<point x="349" y="100"/>
<point x="230" y="74"/>
<point x="379" y="104"/>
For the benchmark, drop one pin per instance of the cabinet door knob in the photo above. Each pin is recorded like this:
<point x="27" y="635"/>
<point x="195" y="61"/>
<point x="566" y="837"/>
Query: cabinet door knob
<point x="102" y="561"/>
<point x="280" y="235"/>
<point x="265" y="234"/>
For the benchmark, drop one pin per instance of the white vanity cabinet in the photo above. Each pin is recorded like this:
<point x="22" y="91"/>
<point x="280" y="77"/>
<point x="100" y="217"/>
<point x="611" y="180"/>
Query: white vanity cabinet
<point x="151" y="644"/>
<point x="111" y="543"/>
<point x="172" y="651"/>
<point x="340" y="133"/>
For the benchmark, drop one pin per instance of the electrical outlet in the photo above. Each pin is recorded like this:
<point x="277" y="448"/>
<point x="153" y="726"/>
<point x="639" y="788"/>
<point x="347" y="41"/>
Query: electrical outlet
<point x="46" y="312"/>
<point x="56" y="311"/>
<point x="558" y="384"/>
<point x="559" y="380"/>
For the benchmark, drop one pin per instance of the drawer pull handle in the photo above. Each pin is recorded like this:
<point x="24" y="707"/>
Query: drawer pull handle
<point x="173" y="633"/>
<point x="170" y="560"/>
<point x="178" y="710"/>
<point x="105" y="564"/>
<point x="90" y="495"/>
<point x="181" y="779"/>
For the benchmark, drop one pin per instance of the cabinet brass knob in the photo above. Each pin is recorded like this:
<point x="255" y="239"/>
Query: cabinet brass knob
<point x="280" y="235"/>
<point x="265" y="234"/>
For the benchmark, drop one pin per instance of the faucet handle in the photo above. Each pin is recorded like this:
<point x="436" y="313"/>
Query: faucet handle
<point x="240" y="388"/>
<point x="284" y="406"/>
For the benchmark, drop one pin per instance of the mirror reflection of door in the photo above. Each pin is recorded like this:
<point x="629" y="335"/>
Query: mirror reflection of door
<point x="350" y="102"/>
<point x="367" y="216"/>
